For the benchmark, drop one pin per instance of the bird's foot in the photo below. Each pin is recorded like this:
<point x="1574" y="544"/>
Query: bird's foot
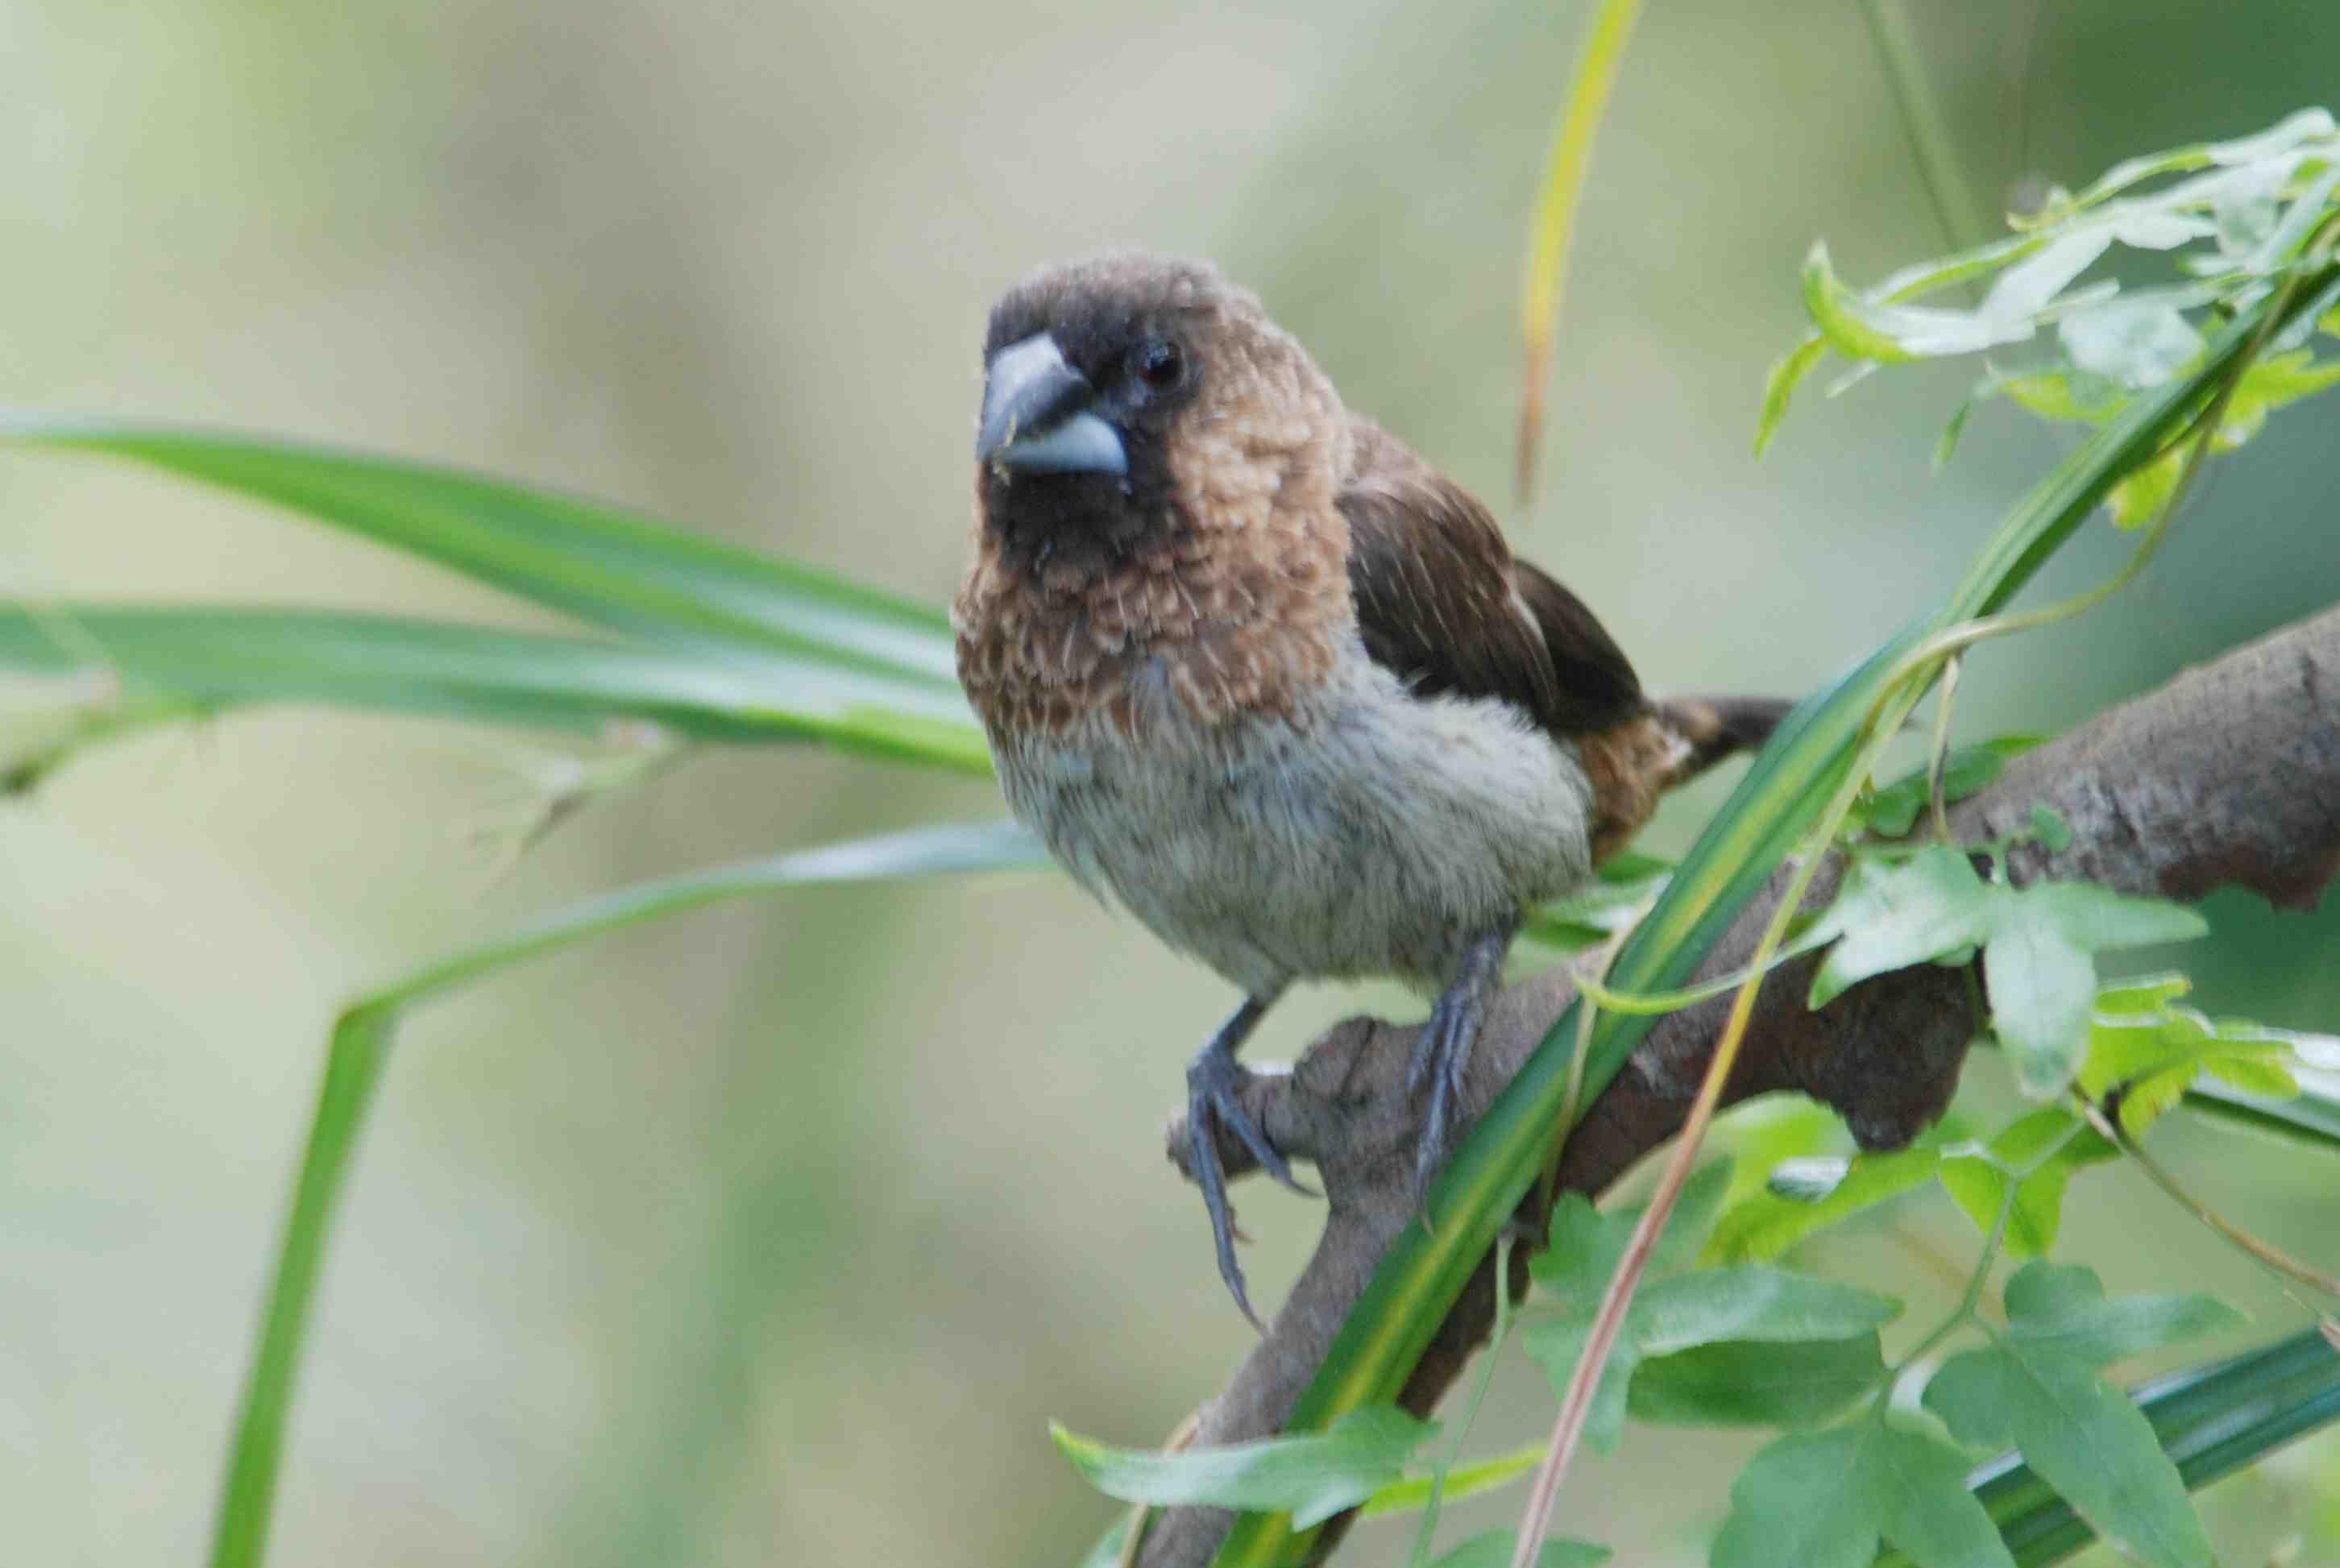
<point x="1442" y="1056"/>
<point x="1214" y="1083"/>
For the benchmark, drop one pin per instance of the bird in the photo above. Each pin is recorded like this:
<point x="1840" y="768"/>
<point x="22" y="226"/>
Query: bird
<point x="1262" y="677"/>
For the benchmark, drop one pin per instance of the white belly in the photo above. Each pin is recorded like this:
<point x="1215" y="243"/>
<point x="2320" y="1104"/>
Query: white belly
<point x="1380" y="835"/>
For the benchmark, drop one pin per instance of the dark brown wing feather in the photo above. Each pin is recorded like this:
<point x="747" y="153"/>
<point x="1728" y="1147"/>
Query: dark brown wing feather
<point x="1441" y="602"/>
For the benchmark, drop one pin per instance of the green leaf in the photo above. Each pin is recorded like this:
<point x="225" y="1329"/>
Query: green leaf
<point x="2041" y="984"/>
<point x="1892" y="917"/>
<point x="1673" y="1311"/>
<point x="1763" y="1133"/>
<point x="2249" y="1072"/>
<point x="601" y="564"/>
<point x="2138" y="499"/>
<point x="1492" y="1549"/>
<point x="1766" y="1226"/>
<point x="1802" y="1502"/>
<point x="1755" y="1302"/>
<point x="359" y="1047"/>
<point x="1596" y="911"/>
<point x="2062" y="1309"/>
<point x="2136" y="344"/>
<point x="1977" y="1183"/>
<point x="1930" y="1513"/>
<point x="212" y="657"/>
<point x="2291" y="133"/>
<point x="1838" y="312"/>
<point x="2150" y="994"/>
<point x="2294" y="133"/>
<point x="1780" y="386"/>
<point x="2146" y="230"/>
<point x="1946" y="445"/>
<point x="2299" y="220"/>
<point x="2067" y="397"/>
<point x="2048" y="827"/>
<point x="2036" y="960"/>
<point x="2269" y="385"/>
<point x="2310" y="1116"/>
<point x="2027" y="288"/>
<point x="2244" y="208"/>
<point x="1311" y="1477"/>
<point x="1411" y="1493"/>
<point x="2210" y="1420"/>
<point x="2113" y="340"/>
<point x="2144" y="1054"/>
<point x="2036" y="1385"/>
<point x="2037" y="944"/>
<point x="1863" y="327"/>
<point x="1890" y="810"/>
<point x="1587" y="1245"/>
<point x="1753" y="1382"/>
<point x="1825" y="1500"/>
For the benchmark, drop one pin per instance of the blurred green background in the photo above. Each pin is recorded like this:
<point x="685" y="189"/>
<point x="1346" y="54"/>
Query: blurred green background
<point x="776" y="1232"/>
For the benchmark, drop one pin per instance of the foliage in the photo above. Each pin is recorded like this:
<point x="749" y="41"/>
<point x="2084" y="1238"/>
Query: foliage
<point x="2037" y="945"/>
<point x="1713" y="1314"/>
<point x="2036" y="1385"/>
<point x="2248" y="212"/>
<point x="700" y="644"/>
<point x="1311" y="1477"/>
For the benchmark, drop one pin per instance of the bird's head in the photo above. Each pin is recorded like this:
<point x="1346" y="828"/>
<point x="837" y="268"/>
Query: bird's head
<point x="1132" y="395"/>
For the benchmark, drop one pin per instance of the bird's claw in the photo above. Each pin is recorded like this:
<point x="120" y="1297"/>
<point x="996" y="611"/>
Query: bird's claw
<point x="1442" y="1058"/>
<point x="1214" y="1084"/>
<point x="1442" y="1055"/>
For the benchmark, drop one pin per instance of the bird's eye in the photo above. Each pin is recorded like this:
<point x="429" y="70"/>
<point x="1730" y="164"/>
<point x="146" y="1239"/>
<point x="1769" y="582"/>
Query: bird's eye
<point x="1158" y="364"/>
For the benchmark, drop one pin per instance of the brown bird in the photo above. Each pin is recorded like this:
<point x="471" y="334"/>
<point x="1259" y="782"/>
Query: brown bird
<point x="1256" y="672"/>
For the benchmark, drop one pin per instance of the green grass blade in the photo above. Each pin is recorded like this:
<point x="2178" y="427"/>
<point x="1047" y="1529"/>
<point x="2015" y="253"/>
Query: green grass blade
<point x="2311" y="1118"/>
<point x="2211" y="1420"/>
<point x="360" y="1043"/>
<point x="203" y="657"/>
<point x="1932" y="146"/>
<point x="352" y="1072"/>
<point x="1549" y="233"/>
<point x="601" y="564"/>
<point x="1776" y="803"/>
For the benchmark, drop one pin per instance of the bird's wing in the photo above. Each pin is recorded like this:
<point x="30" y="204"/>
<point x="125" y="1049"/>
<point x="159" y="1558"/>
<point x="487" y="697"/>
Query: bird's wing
<point x="1441" y="602"/>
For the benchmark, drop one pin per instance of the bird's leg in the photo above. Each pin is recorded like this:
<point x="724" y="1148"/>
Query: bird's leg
<point x="1214" y="1081"/>
<point x="1443" y="1055"/>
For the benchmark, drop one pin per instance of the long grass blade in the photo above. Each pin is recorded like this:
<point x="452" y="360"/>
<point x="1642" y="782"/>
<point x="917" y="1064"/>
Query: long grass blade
<point x="204" y="658"/>
<point x="1555" y="217"/>
<point x="2312" y="1116"/>
<point x="361" y="1044"/>
<point x="600" y="563"/>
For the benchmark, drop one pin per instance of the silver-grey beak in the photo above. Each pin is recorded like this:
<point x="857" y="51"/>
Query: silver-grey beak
<point x="1036" y="418"/>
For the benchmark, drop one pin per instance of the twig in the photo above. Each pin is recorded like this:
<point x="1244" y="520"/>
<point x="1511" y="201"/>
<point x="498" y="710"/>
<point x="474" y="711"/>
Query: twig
<point x="2280" y="1262"/>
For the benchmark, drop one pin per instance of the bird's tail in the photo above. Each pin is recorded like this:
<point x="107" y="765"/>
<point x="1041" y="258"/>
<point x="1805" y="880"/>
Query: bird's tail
<point x="1713" y="728"/>
<point x="1629" y="765"/>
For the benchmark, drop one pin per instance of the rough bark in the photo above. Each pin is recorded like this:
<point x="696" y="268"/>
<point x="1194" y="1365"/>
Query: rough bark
<point x="2228" y="776"/>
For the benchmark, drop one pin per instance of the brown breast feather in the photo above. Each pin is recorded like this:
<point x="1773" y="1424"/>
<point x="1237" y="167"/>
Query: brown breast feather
<point x="1233" y="600"/>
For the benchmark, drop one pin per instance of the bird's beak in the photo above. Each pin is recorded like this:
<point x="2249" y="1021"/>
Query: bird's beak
<point x="1036" y="418"/>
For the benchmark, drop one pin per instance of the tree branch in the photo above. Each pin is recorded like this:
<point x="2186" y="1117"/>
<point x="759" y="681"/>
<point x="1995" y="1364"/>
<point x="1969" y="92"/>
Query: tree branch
<point x="2228" y="776"/>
